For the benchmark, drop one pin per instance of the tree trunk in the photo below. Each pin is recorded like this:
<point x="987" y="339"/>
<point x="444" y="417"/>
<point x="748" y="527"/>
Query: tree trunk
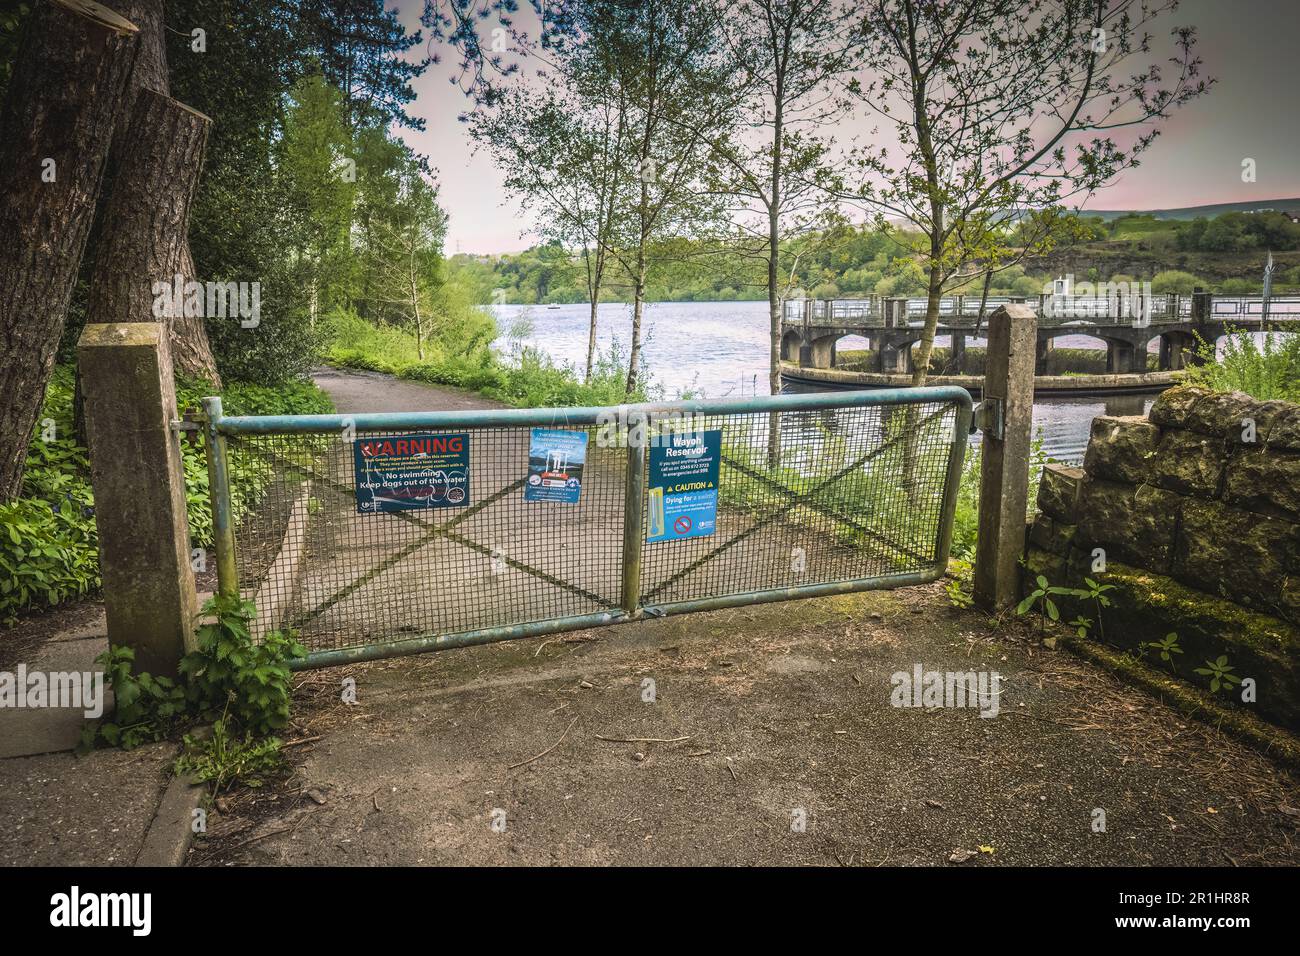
<point x="56" y="125"/>
<point x="638" y="309"/>
<point x="591" y="334"/>
<point x="921" y="368"/>
<point x="191" y="351"/>
<point x="149" y="210"/>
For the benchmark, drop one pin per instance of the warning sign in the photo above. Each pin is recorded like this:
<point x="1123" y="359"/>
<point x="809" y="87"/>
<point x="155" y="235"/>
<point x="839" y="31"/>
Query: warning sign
<point x="555" y="460"/>
<point x="402" y="472"/>
<point x="683" y="486"/>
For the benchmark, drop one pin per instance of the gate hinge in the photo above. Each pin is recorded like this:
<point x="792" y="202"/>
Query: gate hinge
<point x="991" y="418"/>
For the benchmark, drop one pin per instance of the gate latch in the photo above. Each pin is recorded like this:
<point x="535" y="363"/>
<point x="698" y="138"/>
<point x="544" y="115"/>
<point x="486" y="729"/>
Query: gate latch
<point x="990" y="418"/>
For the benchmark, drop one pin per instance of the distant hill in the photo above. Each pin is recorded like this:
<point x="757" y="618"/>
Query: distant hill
<point x="1194" y="212"/>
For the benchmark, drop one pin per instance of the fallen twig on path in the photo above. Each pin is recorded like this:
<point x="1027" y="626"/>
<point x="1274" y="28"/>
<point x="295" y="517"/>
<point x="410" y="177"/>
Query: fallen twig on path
<point x="547" y="750"/>
<point x="643" y="740"/>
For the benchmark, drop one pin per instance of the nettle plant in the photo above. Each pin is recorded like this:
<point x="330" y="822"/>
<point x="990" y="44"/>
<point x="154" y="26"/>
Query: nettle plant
<point x="228" y="677"/>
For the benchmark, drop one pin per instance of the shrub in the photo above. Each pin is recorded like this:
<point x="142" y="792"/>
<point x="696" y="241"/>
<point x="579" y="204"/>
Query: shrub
<point x="1173" y="280"/>
<point x="1263" y="366"/>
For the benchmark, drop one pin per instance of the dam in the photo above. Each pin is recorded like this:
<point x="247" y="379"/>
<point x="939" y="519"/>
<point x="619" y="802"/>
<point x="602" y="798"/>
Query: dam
<point x="1125" y="324"/>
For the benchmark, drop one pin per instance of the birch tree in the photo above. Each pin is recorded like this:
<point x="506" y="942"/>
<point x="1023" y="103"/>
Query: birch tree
<point x="1006" y="106"/>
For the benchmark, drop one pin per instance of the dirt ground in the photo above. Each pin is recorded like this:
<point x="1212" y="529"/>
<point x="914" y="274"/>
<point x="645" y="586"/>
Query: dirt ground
<point x="760" y="716"/>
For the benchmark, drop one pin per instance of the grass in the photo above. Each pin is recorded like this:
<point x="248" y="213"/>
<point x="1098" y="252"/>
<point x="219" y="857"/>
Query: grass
<point x="525" y="378"/>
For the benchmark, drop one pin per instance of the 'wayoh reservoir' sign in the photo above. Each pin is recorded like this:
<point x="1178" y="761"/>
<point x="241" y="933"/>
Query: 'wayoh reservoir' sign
<point x="401" y="472"/>
<point x="683" y="486"/>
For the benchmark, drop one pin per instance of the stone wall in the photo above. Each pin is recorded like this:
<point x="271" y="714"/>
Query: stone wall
<point x="1201" y="499"/>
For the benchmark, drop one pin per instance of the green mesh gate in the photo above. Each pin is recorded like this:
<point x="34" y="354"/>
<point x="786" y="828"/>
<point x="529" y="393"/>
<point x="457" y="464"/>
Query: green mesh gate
<point x="815" y="494"/>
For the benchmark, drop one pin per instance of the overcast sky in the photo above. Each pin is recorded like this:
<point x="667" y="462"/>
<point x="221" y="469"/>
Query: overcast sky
<point x="1251" y="46"/>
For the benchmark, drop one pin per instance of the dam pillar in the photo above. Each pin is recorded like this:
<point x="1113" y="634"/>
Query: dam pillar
<point x="1041" y="351"/>
<point x="1176" y="358"/>
<point x="892" y="358"/>
<point x="821" y="354"/>
<point x="958" y="353"/>
<point x="1121" y="357"/>
<point x="1172" y="358"/>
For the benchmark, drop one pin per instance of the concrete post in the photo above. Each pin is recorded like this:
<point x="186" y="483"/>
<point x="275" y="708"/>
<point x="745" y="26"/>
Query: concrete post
<point x="139" y="484"/>
<point x="1004" y="461"/>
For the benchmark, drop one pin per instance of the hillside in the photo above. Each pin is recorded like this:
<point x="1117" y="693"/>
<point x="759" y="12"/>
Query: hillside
<point x="1193" y="212"/>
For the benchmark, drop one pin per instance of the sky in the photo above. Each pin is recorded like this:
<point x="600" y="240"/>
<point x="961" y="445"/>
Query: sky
<point x="1250" y="46"/>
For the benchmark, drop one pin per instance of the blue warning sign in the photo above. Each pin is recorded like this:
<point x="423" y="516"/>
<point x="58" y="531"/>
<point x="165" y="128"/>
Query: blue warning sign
<point x="682" y="499"/>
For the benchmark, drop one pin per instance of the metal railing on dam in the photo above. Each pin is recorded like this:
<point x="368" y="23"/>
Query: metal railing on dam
<point x="1136" y="309"/>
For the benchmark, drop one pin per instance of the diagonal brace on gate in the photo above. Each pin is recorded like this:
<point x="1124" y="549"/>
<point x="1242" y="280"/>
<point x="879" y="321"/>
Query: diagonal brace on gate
<point x="433" y="532"/>
<point x="793" y="502"/>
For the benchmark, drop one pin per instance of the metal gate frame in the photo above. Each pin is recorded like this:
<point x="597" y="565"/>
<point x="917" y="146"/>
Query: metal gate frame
<point x="218" y="426"/>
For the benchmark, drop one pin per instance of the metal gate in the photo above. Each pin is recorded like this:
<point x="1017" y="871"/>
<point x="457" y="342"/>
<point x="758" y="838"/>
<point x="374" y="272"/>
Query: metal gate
<point x="812" y="494"/>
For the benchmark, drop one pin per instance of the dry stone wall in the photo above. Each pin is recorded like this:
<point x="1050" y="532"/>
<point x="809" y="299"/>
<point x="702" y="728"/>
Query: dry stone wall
<point x="1196" y="512"/>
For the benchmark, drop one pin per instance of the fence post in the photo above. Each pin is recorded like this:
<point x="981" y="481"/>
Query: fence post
<point x="633" y="498"/>
<point x="223" y="528"/>
<point x="1004" y="459"/>
<point x="139" y="485"/>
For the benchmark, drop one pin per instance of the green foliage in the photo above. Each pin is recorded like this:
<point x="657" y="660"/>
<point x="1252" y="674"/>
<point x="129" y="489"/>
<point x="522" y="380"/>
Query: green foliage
<point x="227" y="674"/>
<point x="1239" y="232"/>
<point x="1172" y="280"/>
<point x="1042" y="597"/>
<point x="959" y="583"/>
<point x="229" y="670"/>
<point x="1138" y="226"/>
<point x="1044" y="592"/>
<point x="48" y="540"/>
<point x="1267" y="370"/>
<point x="225" y="761"/>
<point x="1166" y="648"/>
<point x="526" y="379"/>
<point x="1220" y="673"/>
<point x="145" y="708"/>
<point x="292" y="90"/>
<point x="966" y="519"/>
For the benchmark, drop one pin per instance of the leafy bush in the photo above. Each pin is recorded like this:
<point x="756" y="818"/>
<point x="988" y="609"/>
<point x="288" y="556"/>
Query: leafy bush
<point x="224" y="760"/>
<point x="48" y="541"/>
<point x="227" y="676"/>
<point x="1263" y="366"/>
<point x="229" y="670"/>
<point x="1174" y="280"/>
